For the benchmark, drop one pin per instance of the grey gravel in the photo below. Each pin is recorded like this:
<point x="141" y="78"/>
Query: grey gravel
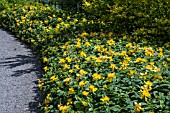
<point x="19" y="71"/>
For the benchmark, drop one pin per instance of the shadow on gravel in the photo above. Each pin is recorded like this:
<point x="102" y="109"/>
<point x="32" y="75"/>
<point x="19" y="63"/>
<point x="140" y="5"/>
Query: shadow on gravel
<point x="21" y="60"/>
<point x="34" y="106"/>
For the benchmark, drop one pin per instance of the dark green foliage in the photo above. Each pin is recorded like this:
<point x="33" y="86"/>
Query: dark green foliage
<point x="3" y="5"/>
<point x="145" y="18"/>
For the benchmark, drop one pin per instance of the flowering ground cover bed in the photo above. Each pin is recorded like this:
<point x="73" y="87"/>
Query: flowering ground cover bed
<point x="87" y="71"/>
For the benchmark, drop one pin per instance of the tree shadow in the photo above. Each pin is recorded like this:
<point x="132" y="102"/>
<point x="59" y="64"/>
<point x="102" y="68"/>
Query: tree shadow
<point x="22" y="60"/>
<point x="18" y="62"/>
<point x="26" y="64"/>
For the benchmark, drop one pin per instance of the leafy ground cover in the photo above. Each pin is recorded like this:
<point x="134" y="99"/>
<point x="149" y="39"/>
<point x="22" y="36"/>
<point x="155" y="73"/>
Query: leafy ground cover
<point x="88" y="70"/>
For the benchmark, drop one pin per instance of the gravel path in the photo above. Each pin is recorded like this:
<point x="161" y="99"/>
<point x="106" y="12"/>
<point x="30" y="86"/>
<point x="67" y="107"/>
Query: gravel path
<point x="19" y="71"/>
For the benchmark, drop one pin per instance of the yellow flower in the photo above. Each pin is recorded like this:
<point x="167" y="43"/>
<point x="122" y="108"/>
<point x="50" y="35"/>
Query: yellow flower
<point x="46" y="22"/>
<point x="98" y="48"/>
<point x="68" y="18"/>
<point x="82" y="83"/>
<point x="148" y="67"/>
<point x="123" y="53"/>
<point x="47" y="101"/>
<point x="51" y="36"/>
<point x="82" y="72"/>
<point x="140" y="60"/>
<point x="72" y="23"/>
<point x="132" y="72"/>
<point x="152" y="63"/>
<point x="84" y="34"/>
<point x="62" y="23"/>
<point x="96" y="76"/>
<point x="156" y="69"/>
<point x="149" y="83"/>
<point x="63" y="109"/>
<point x="151" y="112"/>
<point x="94" y="57"/>
<point x="82" y="54"/>
<point x="87" y="58"/>
<point x="66" y="66"/>
<point x="68" y="59"/>
<point x="93" y="34"/>
<point x="160" y="50"/>
<point x="131" y="51"/>
<point x="160" y="55"/>
<point x="45" y="68"/>
<point x="46" y="108"/>
<point x="71" y="90"/>
<point x="45" y="59"/>
<point x="65" y="53"/>
<point x="149" y="52"/>
<point x="129" y="45"/>
<point x="106" y="98"/>
<point x="98" y="60"/>
<point x="143" y="60"/>
<point x="86" y="4"/>
<point x="111" y="42"/>
<point x="148" y="86"/>
<point x="164" y="64"/>
<point x="87" y="44"/>
<point x="57" y="30"/>
<point x="69" y="101"/>
<point x="32" y="40"/>
<point x="23" y="38"/>
<point x="92" y="88"/>
<point x="158" y="77"/>
<point x="78" y="76"/>
<point x="84" y="20"/>
<point x="112" y="66"/>
<point x="78" y="44"/>
<point x="40" y="86"/>
<point x="67" y="80"/>
<point x="62" y="60"/>
<point x="138" y="107"/>
<point x="53" y="78"/>
<point x="3" y="15"/>
<point x="75" y="20"/>
<point x="168" y="59"/>
<point x="18" y="24"/>
<point x="66" y="25"/>
<point x="110" y="34"/>
<point x="29" y="29"/>
<point x="105" y="86"/>
<point x="110" y="76"/>
<point x="145" y="93"/>
<point x="85" y="93"/>
<point x="71" y="70"/>
<point x="77" y="66"/>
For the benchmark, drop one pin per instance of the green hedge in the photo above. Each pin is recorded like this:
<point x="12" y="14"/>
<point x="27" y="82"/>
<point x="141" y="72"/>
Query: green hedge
<point x="136" y="17"/>
<point x="3" y="5"/>
<point x="87" y="70"/>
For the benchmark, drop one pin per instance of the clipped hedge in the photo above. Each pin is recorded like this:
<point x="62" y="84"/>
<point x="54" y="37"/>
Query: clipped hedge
<point x="91" y="71"/>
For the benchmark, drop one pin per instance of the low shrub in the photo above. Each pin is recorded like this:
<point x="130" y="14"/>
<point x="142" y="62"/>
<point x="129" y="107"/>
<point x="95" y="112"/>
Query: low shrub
<point x="105" y="76"/>
<point x="89" y="70"/>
